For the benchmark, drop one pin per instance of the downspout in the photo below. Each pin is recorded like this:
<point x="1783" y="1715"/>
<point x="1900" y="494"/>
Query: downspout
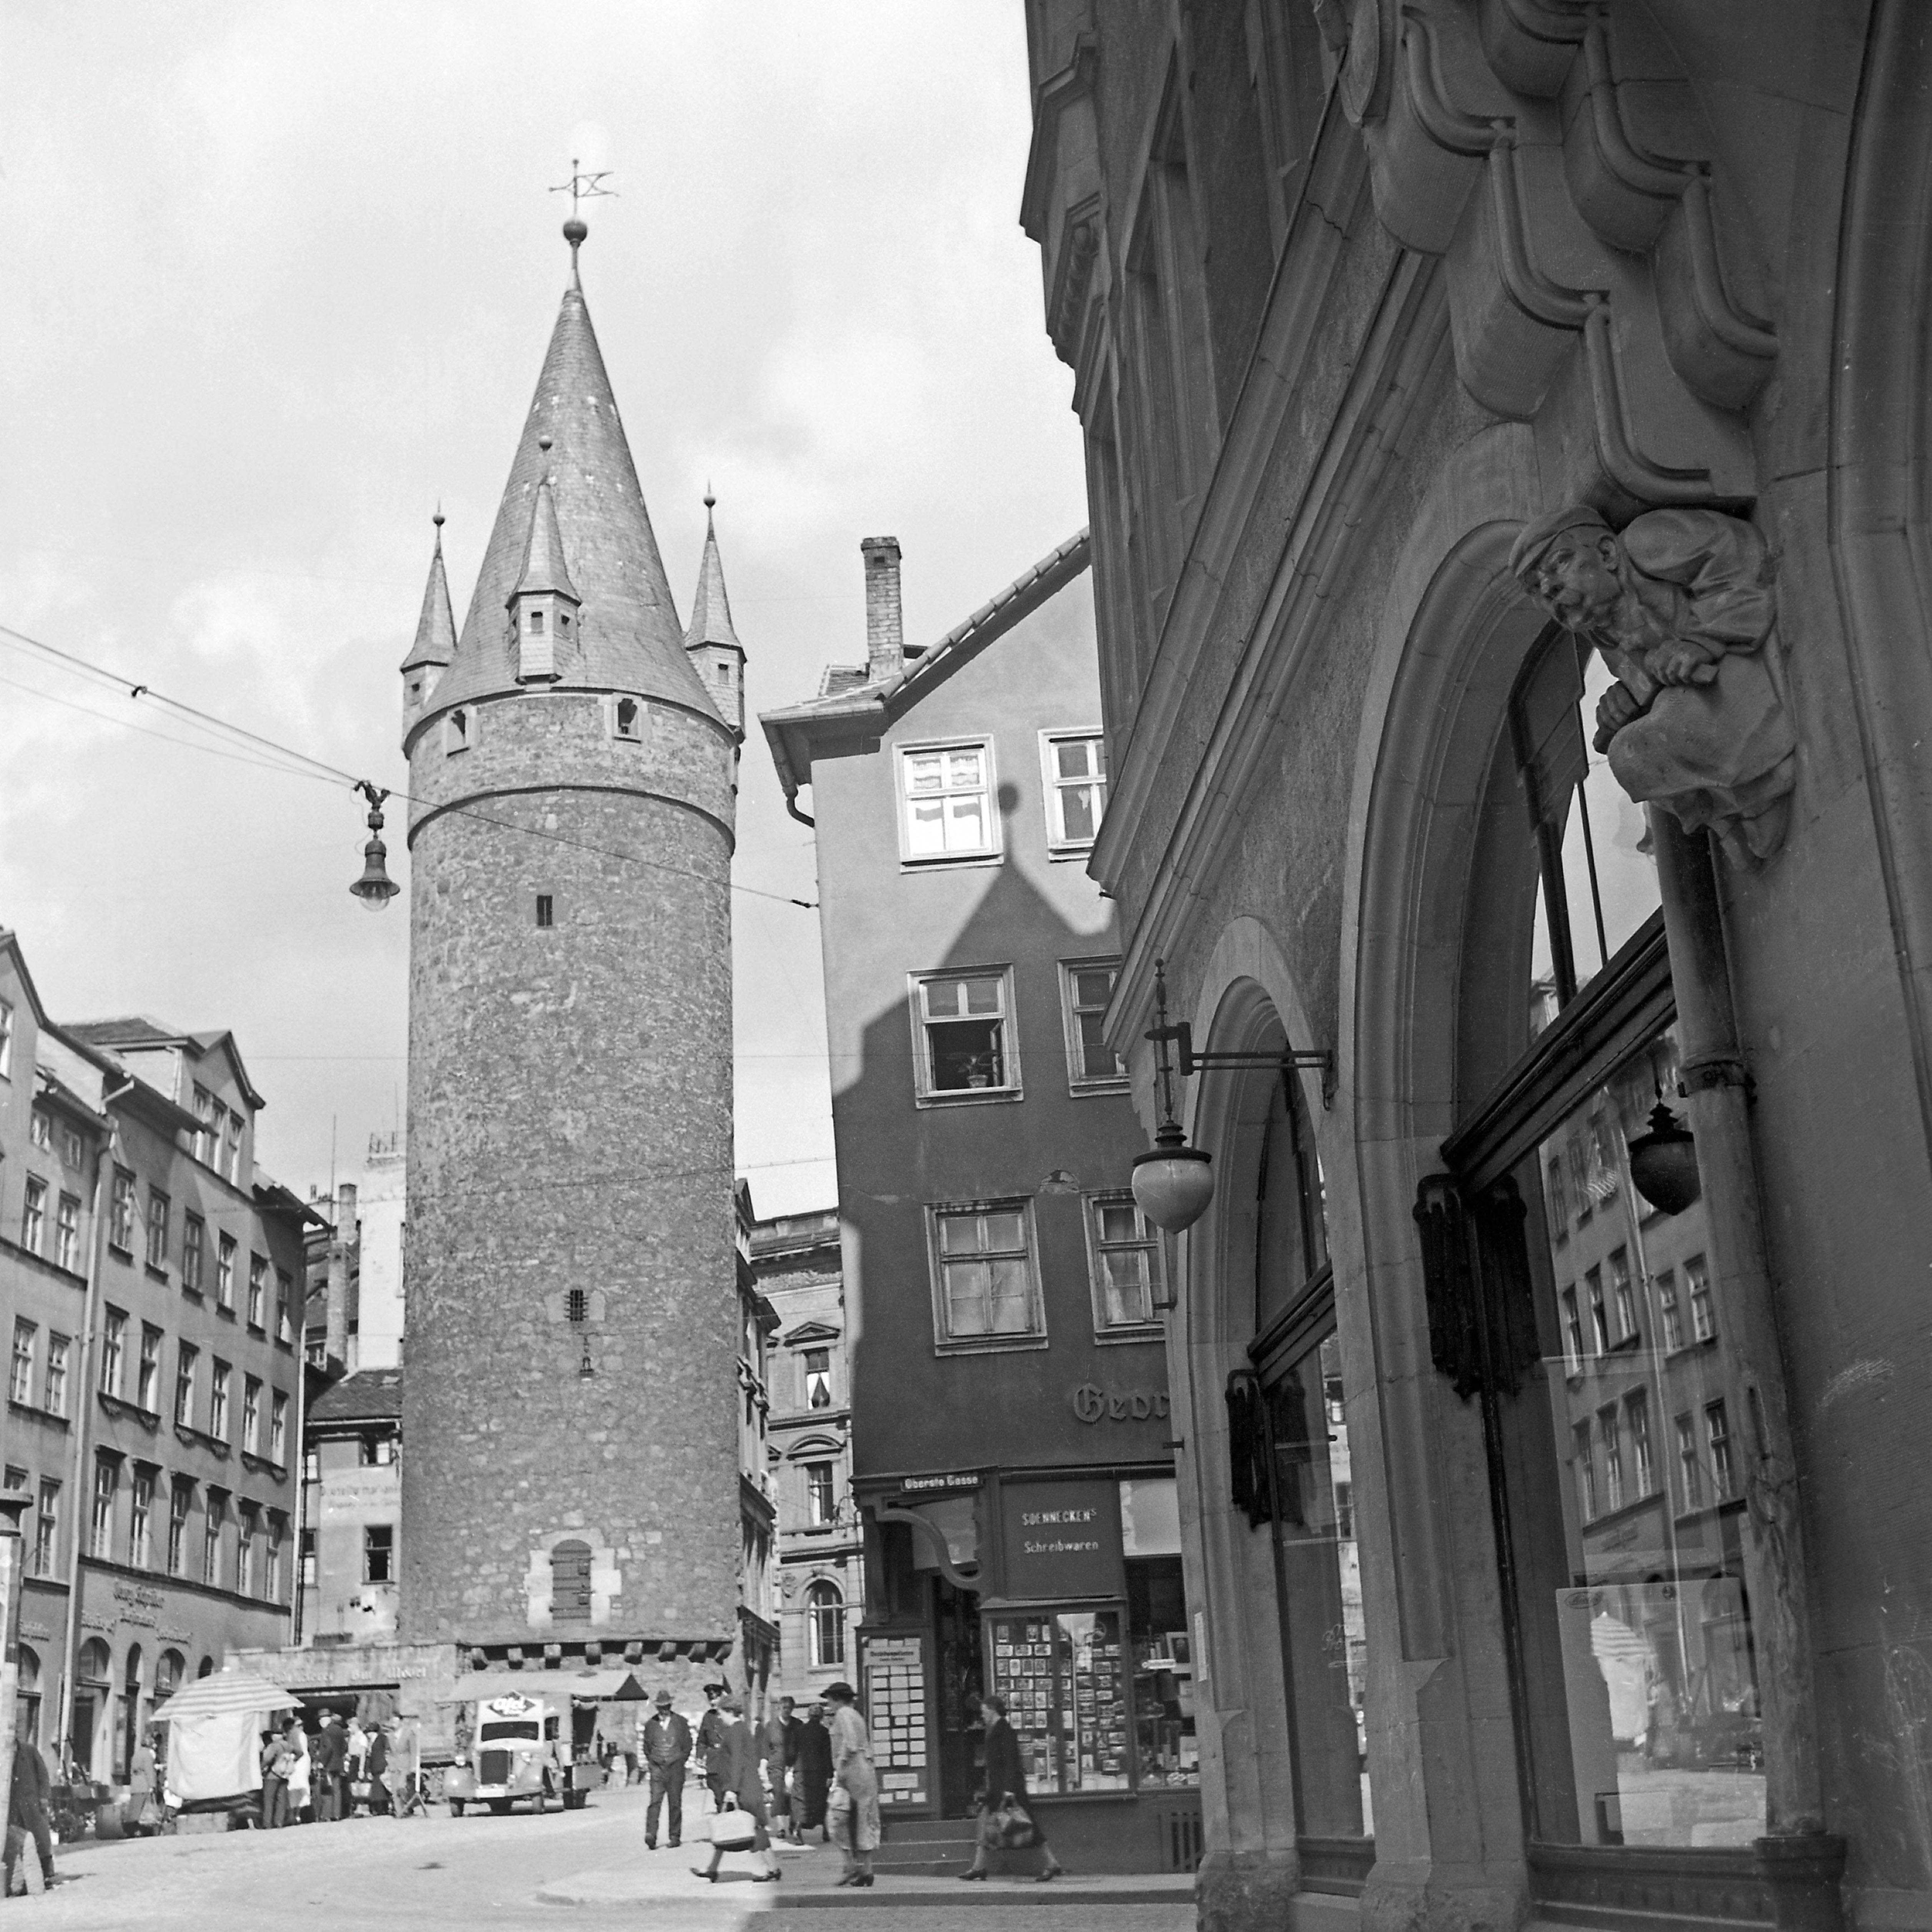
<point x="1796" y="1849"/>
<point x="791" y="805"/>
<point x="83" y="1436"/>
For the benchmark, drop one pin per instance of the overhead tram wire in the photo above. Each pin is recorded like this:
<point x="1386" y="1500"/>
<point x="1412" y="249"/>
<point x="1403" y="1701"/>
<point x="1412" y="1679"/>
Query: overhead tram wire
<point x="300" y="764"/>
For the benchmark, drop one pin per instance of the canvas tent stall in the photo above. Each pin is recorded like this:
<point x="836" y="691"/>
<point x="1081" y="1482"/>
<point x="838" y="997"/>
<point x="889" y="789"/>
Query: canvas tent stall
<point x="214" y="1729"/>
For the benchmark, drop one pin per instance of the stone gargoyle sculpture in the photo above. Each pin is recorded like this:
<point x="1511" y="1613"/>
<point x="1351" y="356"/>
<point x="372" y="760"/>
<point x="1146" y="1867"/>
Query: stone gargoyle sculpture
<point x="1682" y="607"/>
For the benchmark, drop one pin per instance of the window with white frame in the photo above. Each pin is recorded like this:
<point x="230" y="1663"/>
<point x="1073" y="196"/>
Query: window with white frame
<point x="121" y="1213"/>
<point x="140" y="1519"/>
<point x="1123" y="1257"/>
<point x="148" y="1385"/>
<point x="157" y="1228"/>
<point x="207" y="1110"/>
<point x="987" y="1292"/>
<point x="821" y="1502"/>
<point x="818" y="1378"/>
<point x="100" y="1528"/>
<point x="278" y="1427"/>
<point x="251" y="1415"/>
<point x="946" y="798"/>
<point x="113" y="1350"/>
<point x="40" y="1130"/>
<point x="825" y="1625"/>
<point x="34" y="1215"/>
<point x="1075" y="768"/>
<point x="194" y="1244"/>
<point x="58" y="1347"/>
<point x="26" y="1339"/>
<point x="185" y="1362"/>
<point x="965" y="1038"/>
<point x="258" y="1289"/>
<point x="212" y="1513"/>
<point x="224" y="1272"/>
<point x="6" y="1041"/>
<point x="66" y="1234"/>
<point x="181" y="1495"/>
<point x="231" y="1149"/>
<point x="218" y="1400"/>
<point x="1086" y="989"/>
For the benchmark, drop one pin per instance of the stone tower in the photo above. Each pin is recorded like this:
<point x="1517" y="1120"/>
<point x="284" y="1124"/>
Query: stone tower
<point x="570" y="1470"/>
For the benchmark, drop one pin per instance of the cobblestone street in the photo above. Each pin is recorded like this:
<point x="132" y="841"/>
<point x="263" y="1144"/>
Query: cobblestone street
<point x="485" y="1873"/>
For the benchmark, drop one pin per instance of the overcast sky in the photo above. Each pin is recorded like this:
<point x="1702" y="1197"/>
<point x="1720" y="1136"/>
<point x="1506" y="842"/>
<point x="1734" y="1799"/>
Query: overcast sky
<point x="279" y="280"/>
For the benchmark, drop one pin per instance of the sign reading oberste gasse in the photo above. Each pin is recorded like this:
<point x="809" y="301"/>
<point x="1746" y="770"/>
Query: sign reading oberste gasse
<point x="1062" y="1539"/>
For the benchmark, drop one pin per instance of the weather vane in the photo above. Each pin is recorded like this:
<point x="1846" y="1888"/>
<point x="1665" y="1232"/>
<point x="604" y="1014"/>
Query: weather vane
<point x="582" y="187"/>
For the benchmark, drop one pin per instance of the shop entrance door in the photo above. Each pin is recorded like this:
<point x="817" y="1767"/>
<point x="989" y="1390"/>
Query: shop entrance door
<point x="962" y="1754"/>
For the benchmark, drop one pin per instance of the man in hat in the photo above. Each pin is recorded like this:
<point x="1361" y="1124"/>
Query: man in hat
<point x="665" y="1738"/>
<point x="1680" y="607"/>
<point x="710" y="1735"/>
<point x="330" y="1757"/>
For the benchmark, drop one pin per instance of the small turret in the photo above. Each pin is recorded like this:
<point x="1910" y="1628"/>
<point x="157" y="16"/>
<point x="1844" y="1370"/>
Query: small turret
<point x="544" y="606"/>
<point x="435" y="646"/>
<point x="709" y="641"/>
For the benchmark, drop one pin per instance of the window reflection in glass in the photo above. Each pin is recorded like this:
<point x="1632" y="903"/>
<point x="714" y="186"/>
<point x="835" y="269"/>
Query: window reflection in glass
<point x="1642" y="1623"/>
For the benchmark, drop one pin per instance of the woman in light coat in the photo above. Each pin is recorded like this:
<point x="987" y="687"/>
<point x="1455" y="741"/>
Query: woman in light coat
<point x="300" y="1774"/>
<point x="854" y="1772"/>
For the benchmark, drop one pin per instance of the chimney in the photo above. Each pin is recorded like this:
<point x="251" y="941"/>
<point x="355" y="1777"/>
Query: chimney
<point x="885" y="633"/>
<point x="337" y="1345"/>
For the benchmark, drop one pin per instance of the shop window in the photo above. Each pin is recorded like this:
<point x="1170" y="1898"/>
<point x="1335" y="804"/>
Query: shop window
<point x="169" y="1668"/>
<point x="965" y="1043"/>
<point x="570" y="1582"/>
<point x="986" y="1291"/>
<point x="1074" y="769"/>
<point x="1086" y="991"/>
<point x="824" y="1625"/>
<point x="946" y="797"/>
<point x="1066" y="1677"/>
<point x="1633" y="1635"/>
<point x="379" y="1553"/>
<point x="1160" y="1648"/>
<point x="1124" y="1266"/>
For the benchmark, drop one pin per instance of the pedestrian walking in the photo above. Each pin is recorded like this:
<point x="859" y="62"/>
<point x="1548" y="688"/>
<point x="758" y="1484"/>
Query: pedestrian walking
<point x="300" y="1777"/>
<point x="142" y="1813"/>
<point x="733" y="1758"/>
<point x="277" y="1754"/>
<point x="330" y="1756"/>
<point x="406" y="1756"/>
<point x="709" y="1727"/>
<point x="811" y="1771"/>
<point x="1006" y="1820"/>
<point x="27" y="1813"/>
<point x="777" y="1739"/>
<point x="854" y="1773"/>
<point x="666" y="1743"/>
<point x="376" y="1769"/>
<point x="355" y="1765"/>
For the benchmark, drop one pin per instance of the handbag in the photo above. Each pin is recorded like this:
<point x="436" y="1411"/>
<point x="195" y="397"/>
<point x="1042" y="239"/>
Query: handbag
<point x="1010" y="1827"/>
<point x="734" y="1830"/>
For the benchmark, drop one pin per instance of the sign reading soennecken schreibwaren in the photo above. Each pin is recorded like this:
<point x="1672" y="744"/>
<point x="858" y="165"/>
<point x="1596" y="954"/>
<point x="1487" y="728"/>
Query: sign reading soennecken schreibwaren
<point x="1062" y="1538"/>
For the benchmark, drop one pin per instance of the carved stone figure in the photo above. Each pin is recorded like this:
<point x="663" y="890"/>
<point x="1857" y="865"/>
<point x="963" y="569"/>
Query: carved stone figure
<point x="1682" y="607"/>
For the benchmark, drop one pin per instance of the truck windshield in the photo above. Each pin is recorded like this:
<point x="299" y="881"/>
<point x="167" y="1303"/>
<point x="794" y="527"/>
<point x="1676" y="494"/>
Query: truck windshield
<point x="496" y="1733"/>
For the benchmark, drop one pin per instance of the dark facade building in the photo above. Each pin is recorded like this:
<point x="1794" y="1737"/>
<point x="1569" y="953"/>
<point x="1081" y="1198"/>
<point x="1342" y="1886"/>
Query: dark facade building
<point x="1013" y="1459"/>
<point x="1506" y="432"/>
<point x="148" y="1275"/>
<point x="571" y="1482"/>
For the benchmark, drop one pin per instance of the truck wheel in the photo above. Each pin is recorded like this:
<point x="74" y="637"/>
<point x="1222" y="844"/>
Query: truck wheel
<point x="456" y="1807"/>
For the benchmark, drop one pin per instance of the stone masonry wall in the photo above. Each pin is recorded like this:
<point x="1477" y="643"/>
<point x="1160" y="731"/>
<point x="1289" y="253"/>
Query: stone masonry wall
<point x="570" y="1126"/>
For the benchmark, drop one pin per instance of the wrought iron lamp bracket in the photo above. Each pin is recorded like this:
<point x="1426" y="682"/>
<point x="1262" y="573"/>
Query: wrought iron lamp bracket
<point x="1320" y="1060"/>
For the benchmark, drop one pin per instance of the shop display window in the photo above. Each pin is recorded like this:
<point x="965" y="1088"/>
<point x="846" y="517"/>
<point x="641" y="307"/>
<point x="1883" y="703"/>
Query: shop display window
<point x="1165" y="1746"/>
<point x="1067" y="1676"/>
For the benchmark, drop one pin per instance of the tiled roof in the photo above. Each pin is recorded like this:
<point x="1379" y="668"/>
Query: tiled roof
<point x="628" y="637"/>
<point x="135" y="1031"/>
<point x="710" y="608"/>
<point x="544" y="566"/>
<point x="841" y="678"/>
<point x="369" y="1395"/>
<point x="436" y="628"/>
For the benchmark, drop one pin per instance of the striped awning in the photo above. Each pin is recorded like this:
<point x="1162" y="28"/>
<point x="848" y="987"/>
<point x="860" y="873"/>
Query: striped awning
<point x="225" y="1691"/>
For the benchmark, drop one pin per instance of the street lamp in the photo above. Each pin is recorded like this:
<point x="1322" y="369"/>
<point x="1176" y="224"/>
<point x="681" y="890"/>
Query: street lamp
<point x="375" y="888"/>
<point x="1173" y="1182"/>
<point x="1664" y="1163"/>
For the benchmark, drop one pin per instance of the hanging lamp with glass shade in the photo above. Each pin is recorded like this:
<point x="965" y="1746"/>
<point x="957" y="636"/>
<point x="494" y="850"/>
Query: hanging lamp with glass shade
<point x="1173" y="1183"/>
<point x="1664" y="1163"/>
<point x="375" y="888"/>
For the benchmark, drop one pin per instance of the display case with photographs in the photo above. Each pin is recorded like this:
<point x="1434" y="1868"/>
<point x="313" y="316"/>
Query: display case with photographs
<point x="1067" y="1681"/>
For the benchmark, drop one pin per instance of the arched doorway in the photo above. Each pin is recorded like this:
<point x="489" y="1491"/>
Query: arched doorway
<point x="93" y="1693"/>
<point x="1269" y="1409"/>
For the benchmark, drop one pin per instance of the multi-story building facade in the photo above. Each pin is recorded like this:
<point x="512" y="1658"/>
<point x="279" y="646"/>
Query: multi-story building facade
<point x="149" y="1272"/>
<point x="1013" y="1459"/>
<point x="352" y="1509"/>
<point x="797" y="1260"/>
<point x="757" y="1492"/>
<point x="1505" y="429"/>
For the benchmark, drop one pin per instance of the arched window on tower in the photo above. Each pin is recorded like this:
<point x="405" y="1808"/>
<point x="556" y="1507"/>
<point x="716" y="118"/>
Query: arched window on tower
<point x="825" y="1625"/>
<point x="570" y="1582"/>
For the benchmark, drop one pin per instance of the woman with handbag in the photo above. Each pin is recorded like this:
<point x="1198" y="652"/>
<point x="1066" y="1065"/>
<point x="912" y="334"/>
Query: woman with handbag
<point x="739" y="1823"/>
<point x="853" y="1773"/>
<point x="1006" y="1820"/>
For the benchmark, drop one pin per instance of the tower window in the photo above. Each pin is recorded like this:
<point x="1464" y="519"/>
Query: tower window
<point x="563" y="620"/>
<point x="536" y="623"/>
<point x="627" y="719"/>
<point x="456" y="732"/>
<point x="576" y="1307"/>
<point x="546" y="909"/>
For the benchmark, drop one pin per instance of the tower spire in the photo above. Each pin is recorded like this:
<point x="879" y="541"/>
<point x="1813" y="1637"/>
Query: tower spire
<point x="710" y="640"/>
<point x="435" y="646"/>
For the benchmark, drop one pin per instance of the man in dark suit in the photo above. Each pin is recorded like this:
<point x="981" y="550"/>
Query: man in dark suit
<point x="27" y="1812"/>
<point x="330" y="1759"/>
<point x="665" y="1741"/>
<point x="710" y="1735"/>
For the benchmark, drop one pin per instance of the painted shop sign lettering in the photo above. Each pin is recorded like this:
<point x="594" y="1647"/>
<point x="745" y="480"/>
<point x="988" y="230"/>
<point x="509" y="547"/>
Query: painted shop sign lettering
<point x="957" y="1479"/>
<point x="1091" y="1404"/>
<point x="1061" y="1539"/>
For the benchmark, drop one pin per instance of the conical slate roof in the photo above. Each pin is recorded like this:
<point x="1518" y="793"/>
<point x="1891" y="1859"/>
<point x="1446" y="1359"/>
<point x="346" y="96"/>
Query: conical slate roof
<point x="628" y="638"/>
<point x="710" y="608"/>
<point x="436" y="628"/>
<point x="543" y="567"/>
